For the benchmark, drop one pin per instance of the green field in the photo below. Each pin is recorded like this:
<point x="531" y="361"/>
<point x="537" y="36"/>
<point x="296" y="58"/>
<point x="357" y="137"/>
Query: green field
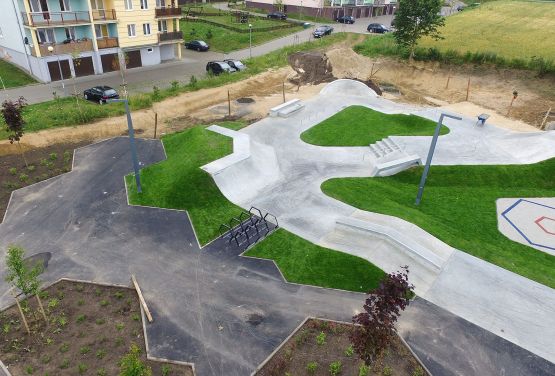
<point x="361" y="126"/>
<point x="224" y="40"/>
<point x="303" y="262"/>
<point x="13" y="76"/>
<point x="459" y="208"/>
<point x="511" y="29"/>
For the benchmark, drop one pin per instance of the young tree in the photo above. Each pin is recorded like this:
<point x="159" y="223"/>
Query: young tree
<point x="416" y="19"/>
<point x="375" y="326"/>
<point x="131" y="364"/>
<point x="23" y="277"/>
<point x="12" y="111"/>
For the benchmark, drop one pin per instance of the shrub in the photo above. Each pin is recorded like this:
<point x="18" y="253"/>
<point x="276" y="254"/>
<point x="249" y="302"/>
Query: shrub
<point x="101" y="353"/>
<point x="85" y="350"/>
<point x="193" y="81"/>
<point x="80" y="302"/>
<point x="335" y="368"/>
<point x="23" y="177"/>
<point x="363" y="370"/>
<point x="119" y="295"/>
<point x="311" y="367"/>
<point x="131" y="364"/>
<point x="81" y="318"/>
<point x="53" y="156"/>
<point x="166" y="370"/>
<point x="387" y="371"/>
<point x="119" y="326"/>
<point x="321" y="338"/>
<point x="53" y="303"/>
<point x="418" y="372"/>
<point x="135" y="317"/>
<point x="64" y="348"/>
<point x="155" y="92"/>
<point x="349" y="351"/>
<point x="13" y="171"/>
<point x="100" y="321"/>
<point x="82" y="368"/>
<point x="104" y="302"/>
<point x="174" y="85"/>
<point x="64" y="364"/>
<point x="101" y="372"/>
<point x="29" y="370"/>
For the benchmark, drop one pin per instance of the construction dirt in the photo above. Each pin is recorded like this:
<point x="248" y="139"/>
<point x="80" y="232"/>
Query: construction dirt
<point x="427" y="84"/>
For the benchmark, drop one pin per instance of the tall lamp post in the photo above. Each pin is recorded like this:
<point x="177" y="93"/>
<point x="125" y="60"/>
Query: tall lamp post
<point x="250" y="40"/>
<point x="51" y="50"/>
<point x="430" y="156"/>
<point x="131" y="141"/>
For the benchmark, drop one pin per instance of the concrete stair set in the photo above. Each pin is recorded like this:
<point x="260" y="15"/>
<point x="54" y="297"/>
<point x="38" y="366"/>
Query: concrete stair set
<point x="391" y="158"/>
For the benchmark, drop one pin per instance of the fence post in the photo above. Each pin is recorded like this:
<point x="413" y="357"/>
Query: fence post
<point x="155" y="123"/>
<point x="468" y="89"/>
<point x="228" y="104"/>
<point x="547" y="114"/>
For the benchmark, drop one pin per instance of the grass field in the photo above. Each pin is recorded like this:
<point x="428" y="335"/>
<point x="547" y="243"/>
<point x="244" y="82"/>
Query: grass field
<point x="361" y="126"/>
<point x="224" y="40"/>
<point x="512" y="29"/>
<point x="459" y="208"/>
<point x="179" y="183"/>
<point x="13" y="76"/>
<point x="303" y="262"/>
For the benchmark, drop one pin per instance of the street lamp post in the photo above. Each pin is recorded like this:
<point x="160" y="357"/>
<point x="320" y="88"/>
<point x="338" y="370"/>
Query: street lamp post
<point x="430" y="156"/>
<point x="131" y="141"/>
<point x="51" y="50"/>
<point x="250" y="40"/>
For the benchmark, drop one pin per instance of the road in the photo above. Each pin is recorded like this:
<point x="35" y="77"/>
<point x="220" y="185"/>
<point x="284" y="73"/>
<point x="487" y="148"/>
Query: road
<point x="193" y="63"/>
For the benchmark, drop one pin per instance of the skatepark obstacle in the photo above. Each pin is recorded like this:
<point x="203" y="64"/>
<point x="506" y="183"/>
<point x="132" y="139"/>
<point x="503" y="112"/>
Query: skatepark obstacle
<point x="248" y="228"/>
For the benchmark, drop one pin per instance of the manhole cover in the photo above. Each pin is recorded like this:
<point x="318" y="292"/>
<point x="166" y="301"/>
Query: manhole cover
<point x="255" y="319"/>
<point x="245" y="100"/>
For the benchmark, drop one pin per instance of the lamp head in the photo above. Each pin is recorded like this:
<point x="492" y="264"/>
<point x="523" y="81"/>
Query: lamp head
<point x="50" y="49"/>
<point x="250" y="26"/>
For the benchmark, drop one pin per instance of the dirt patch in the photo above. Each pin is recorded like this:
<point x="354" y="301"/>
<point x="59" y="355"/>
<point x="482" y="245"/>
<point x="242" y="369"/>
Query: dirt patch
<point x="43" y="163"/>
<point x="91" y="327"/>
<point x="310" y="68"/>
<point x="318" y="344"/>
<point x="490" y="89"/>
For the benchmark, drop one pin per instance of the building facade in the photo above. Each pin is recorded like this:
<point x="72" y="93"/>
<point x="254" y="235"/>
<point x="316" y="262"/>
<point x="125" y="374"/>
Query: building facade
<point x="328" y="8"/>
<point x="55" y="38"/>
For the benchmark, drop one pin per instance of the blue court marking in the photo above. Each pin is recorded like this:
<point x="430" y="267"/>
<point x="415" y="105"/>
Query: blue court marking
<point x="516" y="227"/>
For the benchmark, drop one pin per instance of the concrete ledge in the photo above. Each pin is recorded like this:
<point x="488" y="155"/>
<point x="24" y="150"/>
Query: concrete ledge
<point x="286" y="109"/>
<point x="414" y="248"/>
<point x="397" y="165"/>
<point x="241" y="150"/>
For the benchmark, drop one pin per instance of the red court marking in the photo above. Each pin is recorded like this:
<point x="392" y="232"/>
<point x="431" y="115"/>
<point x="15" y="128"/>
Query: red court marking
<point x="544" y="219"/>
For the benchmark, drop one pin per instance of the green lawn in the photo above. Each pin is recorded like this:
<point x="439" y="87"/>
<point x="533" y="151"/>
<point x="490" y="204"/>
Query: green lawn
<point x="13" y="76"/>
<point x="361" y="126"/>
<point x="458" y="207"/>
<point x="225" y="40"/>
<point x="512" y="29"/>
<point x="300" y="261"/>
<point x="179" y="183"/>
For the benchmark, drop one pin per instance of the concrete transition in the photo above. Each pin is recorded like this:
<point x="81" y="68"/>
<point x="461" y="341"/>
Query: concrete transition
<point x="285" y="175"/>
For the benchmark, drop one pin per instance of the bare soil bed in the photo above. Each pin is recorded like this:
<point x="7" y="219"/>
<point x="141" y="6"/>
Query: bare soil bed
<point x="319" y="347"/>
<point x="43" y="163"/>
<point x="91" y="327"/>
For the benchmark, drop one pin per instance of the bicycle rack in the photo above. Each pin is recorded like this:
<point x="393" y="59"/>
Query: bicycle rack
<point x="249" y="227"/>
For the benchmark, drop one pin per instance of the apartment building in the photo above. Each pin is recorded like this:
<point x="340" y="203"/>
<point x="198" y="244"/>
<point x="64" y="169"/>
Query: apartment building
<point x="55" y="38"/>
<point x="329" y="8"/>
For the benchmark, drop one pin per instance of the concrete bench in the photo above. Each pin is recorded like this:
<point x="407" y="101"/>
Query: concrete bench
<point x="416" y="250"/>
<point x="286" y="109"/>
<point x="397" y="165"/>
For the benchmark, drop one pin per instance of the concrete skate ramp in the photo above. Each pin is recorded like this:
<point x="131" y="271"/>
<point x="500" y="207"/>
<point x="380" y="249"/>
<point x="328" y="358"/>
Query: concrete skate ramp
<point x="348" y="87"/>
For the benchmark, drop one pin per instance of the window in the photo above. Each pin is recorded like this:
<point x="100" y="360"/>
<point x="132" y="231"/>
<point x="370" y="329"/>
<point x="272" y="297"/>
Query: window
<point x="144" y="4"/>
<point x="98" y="4"/>
<point x="131" y="30"/>
<point x="128" y="4"/>
<point x="101" y="31"/>
<point x="46" y="36"/>
<point x="146" y="29"/>
<point x="162" y="26"/>
<point x="160" y="3"/>
<point x="70" y="33"/>
<point x="150" y="50"/>
<point x="64" y="5"/>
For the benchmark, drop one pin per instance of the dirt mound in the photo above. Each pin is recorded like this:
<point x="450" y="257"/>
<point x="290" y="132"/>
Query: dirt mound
<point x="310" y="68"/>
<point x="348" y="64"/>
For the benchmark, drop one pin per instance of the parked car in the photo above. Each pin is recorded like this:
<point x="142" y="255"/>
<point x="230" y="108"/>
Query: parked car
<point x="377" y="28"/>
<point x="322" y="30"/>
<point x="277" y="15"/>
<point x="100" y="94"/>
<point x="219" y="67"/>
<point x="236" y="64"/>
<point x="198" y="45"/>
<point x="346" y="19"/>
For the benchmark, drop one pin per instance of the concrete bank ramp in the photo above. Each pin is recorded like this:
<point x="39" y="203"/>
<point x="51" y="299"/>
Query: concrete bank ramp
<point x="348" y="87"/>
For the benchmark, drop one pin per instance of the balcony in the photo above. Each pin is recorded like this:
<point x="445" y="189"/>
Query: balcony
<point x="170" y="36"/>
<point x="104" y="14"/>
<point x="168" y="12"/>
<point x="65" y="48"/>
<point x="56" y="18"/>
<point x="107" y="42"/>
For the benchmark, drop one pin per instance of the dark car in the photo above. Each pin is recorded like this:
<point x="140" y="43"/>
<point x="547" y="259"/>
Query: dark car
<point x="198" y="45"/>
<point x="100" y="94"/>
<point x="277" y="15"/>
<point x="377" y="28"/>
<point x="236" y="64"/>
<point x="346" y="19"/>
<point x="218" y="67"/>
<point x="322" y="30"/>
